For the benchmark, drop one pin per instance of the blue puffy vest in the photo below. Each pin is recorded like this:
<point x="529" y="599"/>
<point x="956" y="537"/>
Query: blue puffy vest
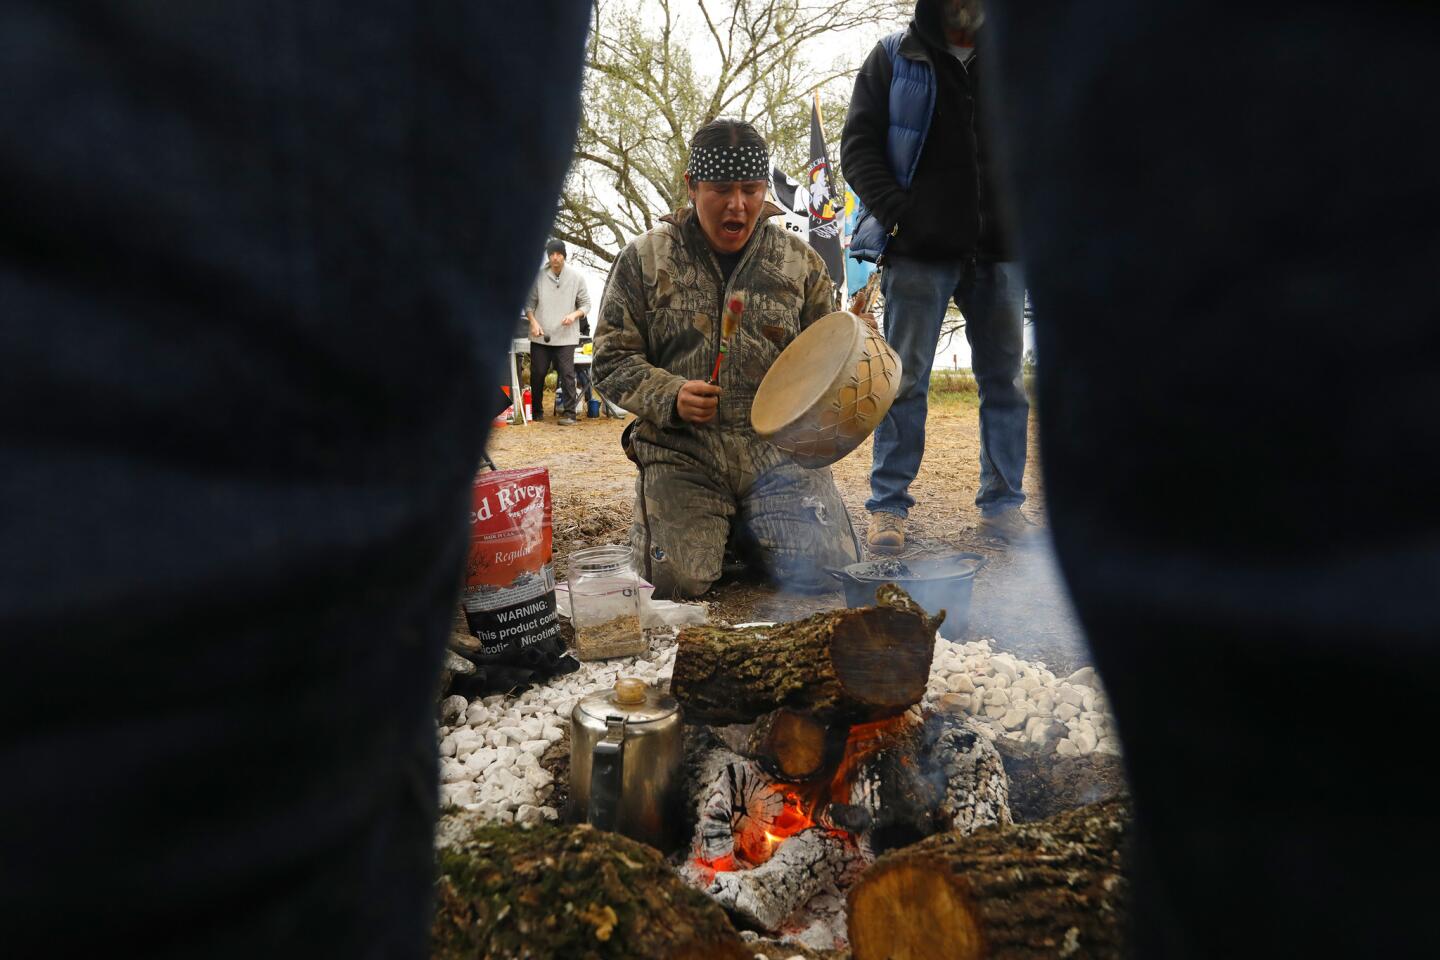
<point x="912" y="104"/>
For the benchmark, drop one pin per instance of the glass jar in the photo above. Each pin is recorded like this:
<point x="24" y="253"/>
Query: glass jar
<point x="605" y="603"/>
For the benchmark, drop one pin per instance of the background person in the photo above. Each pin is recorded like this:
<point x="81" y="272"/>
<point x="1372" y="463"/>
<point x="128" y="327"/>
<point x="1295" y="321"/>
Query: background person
<point x="925" y="180"/>
<point x="557" y="300"/>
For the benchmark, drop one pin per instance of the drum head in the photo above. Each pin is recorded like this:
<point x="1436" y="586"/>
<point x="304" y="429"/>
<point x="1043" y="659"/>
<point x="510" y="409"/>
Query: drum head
<point x="805" y="372"/>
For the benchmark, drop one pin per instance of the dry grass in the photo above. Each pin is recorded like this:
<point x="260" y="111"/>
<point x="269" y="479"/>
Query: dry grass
<point x="951" y="388"/>
<point x="592" y="487"/>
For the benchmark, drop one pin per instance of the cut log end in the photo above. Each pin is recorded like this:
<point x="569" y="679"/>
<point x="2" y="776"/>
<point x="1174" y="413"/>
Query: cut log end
<point x="884" y="914"/>
<point x="840" y="665"/>
<point x="883" y="659"/>
<point x="795" y="746"/>
<point x="1046" y="889"/>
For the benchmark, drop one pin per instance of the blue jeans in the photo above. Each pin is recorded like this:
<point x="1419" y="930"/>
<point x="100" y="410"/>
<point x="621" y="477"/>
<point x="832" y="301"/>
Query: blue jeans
<point x="992" y="298"/>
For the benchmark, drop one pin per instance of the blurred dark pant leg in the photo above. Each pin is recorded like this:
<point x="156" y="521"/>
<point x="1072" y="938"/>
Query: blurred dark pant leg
<point x="582" y="382"/>
<point x="1208" y="242"/>
<point x="249" y="329"/>
<point x="582" y="377"/>
<point x="541" y="359"/>
<point x="565" y="378"/>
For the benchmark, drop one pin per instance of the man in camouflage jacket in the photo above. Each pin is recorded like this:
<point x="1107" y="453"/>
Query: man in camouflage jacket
<point x="659" y="332"/>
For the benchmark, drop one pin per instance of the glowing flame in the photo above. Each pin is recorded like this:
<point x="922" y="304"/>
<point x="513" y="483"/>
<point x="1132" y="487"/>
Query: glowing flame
<point x="757" y="843"/>
<point x="864" y="741"/>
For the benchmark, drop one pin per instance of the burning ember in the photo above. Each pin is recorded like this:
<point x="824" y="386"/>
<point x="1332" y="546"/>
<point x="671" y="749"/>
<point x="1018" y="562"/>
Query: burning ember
<point x="780" y="854"/>
<point x="753" y="816"/>
<point x="863" y="742"/>
<point x="757" y="844"/>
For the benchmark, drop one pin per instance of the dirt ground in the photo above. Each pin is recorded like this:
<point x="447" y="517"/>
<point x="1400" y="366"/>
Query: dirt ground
<point x="1019" y="600"/>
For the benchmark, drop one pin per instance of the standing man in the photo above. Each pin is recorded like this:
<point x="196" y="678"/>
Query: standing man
<point x="557" y="300"/>
<point x="921" y="173"/>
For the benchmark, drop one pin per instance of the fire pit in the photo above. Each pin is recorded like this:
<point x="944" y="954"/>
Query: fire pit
<point x="842" y="765"/>
<point x="811" y="749"/>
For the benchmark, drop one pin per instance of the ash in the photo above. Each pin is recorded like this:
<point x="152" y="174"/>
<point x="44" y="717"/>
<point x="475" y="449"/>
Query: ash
<point x="891" y="568"/>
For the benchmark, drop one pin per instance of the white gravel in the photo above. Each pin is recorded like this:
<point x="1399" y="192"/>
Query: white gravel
<point x="490" y="755"/>
<point x="490" y="749"/>
<point x="1022" y="700"/>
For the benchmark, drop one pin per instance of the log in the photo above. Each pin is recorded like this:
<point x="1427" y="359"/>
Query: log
<point x="930" y="774"/>
<point x="839" y="665"/>
<point x="740" y="802"/>
<point x="1047" y="889"/>
<point x="571" y="892"/>
<point x="796" y="746"/>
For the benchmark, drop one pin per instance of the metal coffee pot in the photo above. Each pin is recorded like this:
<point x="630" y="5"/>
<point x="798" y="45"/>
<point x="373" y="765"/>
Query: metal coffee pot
<point x="625" y="756"/>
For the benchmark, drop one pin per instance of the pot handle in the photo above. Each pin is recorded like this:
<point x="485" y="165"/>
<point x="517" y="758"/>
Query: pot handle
<point x="840" y="575"/>
<point x="607" y="764"/>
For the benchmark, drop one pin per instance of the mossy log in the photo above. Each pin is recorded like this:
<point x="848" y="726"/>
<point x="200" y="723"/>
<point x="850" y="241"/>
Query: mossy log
<point x="570" y="893"/>
<point x="839" y="665"/>
<point x="1046" y="889"/>
<point x="795" y="746"/>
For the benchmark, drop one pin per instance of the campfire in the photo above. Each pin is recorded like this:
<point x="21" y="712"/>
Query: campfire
<point x="832" y="785"/>
<point x="842" y="765"/>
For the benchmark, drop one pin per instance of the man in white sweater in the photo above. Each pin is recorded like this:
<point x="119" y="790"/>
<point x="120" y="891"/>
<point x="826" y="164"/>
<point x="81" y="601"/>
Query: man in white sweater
<point x="557" y="300"/>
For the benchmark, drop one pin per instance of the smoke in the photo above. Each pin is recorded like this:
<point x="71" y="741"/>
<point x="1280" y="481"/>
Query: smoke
<point x="1020" y="600"/>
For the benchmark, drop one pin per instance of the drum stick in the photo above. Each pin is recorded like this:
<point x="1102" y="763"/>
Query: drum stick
<point x="729" y="323"/>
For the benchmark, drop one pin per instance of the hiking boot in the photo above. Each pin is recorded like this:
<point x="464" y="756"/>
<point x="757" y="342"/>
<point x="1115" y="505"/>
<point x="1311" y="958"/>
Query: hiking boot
<point x="1009" y="526"/>
<point x="886" y="533"/>
<point x="567" y="421"/>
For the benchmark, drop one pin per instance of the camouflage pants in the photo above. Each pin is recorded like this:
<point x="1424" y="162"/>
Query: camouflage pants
<point x="692" y="487"/>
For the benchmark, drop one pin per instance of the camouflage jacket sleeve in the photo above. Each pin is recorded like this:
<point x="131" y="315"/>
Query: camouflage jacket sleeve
<point x="623" y="371"/>
<point x="819" y="291"/>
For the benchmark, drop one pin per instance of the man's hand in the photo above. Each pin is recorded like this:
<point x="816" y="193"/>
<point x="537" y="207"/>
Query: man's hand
<point x="697" y="401"/>
<point x="535" y="330"/>
<point x="569" y="318"/>
<point x="864" y="314"/>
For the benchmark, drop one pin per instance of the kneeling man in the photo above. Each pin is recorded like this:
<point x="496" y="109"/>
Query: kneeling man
<point x="703" y="470"/>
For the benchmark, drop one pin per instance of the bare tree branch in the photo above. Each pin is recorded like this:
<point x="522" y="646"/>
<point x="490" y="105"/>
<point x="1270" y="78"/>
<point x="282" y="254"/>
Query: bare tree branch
<point x="645" y="94"/>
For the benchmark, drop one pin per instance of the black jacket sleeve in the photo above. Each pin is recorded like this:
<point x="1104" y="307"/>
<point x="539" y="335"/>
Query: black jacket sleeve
<point x="862" y="145"/>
